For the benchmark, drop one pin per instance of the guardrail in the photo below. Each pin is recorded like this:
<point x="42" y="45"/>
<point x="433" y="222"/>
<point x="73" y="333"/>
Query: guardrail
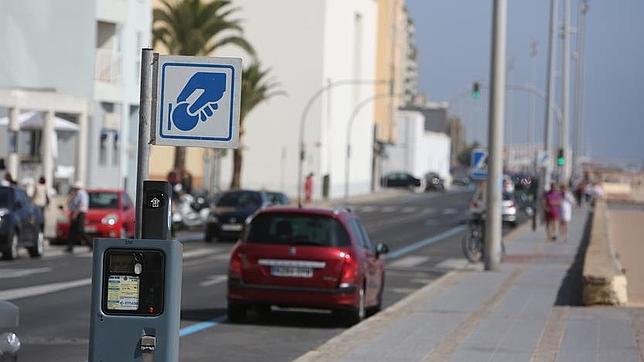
<point x="604" y="282"/>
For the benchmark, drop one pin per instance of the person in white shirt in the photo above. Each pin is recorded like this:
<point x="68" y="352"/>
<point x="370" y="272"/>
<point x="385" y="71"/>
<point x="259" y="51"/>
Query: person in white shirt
<point x="567" y="200"/>
<point x="78" y="206"/>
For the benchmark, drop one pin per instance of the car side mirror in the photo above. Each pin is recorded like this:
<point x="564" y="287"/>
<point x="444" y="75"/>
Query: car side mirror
<point x="381" y="249"/>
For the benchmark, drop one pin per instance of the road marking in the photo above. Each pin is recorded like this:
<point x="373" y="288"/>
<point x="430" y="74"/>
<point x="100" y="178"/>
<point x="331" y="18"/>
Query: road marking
<point x="17" y="273"/>
<point x="198" y="327"/>
<point x="409" y="261"/>
<point x="409" y="209"/>
<point x="450" y="211"/>
<point x="420" y="244"/>
<point x="389" y="209"/>
<point x="224" y="256"/>
<point x="428" y="210"/>
<point x="199" y="252"/>
<point x="452" y="263"/>
<point x="214" y="279"/>
<point x="367" y="209"/>
<point x="423" y="281"/>
<point x="403" y="290"/>
<point x="42" y="289"/>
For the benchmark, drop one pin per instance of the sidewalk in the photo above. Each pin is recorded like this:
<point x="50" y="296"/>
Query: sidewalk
<point x="523" y="312"/>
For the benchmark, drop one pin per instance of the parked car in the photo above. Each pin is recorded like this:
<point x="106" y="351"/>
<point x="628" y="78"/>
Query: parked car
<point x="21" y="224"/>
<point x="304" y="257"/>
<point x="508" y="206"/>
<point x="433" y="182"/>
<point x="228" y="216"/>
<point x="400" y="179"/>
<point x="111" y="214"/>
<point x="9" y="341"/>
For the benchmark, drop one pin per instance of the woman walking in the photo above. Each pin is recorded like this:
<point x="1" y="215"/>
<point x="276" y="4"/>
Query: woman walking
<point x="552" y="210"/>
<point x="567" y="201"/>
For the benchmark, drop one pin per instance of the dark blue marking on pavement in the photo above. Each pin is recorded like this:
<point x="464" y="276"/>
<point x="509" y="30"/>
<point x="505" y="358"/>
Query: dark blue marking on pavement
<point x="419" y="244"/>
<point x="198" y="327"/>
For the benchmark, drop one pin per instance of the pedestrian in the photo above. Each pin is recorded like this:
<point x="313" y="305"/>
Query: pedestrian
<point x="588" y="192"/>
<point x="579" y="191"/>
<point x="78" y="206"/>
<point x="308" y="188"/>
<point x="598" y="192"/>
<point x="552" y="210"/>
<point x="567" y="200"/>
<point x="8" y="180"/>
<point x="40" y="196"/>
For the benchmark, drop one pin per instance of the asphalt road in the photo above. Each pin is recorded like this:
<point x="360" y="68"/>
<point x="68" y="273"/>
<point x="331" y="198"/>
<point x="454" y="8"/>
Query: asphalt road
<point x="423" y="232"/>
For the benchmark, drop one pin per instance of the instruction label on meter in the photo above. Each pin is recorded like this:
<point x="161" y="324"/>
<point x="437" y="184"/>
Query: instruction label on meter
<point x="123" y="292"/>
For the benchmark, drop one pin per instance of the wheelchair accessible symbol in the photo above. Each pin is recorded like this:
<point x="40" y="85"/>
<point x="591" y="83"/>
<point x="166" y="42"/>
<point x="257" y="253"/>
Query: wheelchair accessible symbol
<point x="208" y="88"/>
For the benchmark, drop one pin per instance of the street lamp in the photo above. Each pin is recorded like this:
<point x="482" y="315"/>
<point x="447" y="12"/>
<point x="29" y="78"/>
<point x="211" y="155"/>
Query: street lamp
<point x="305" y="112"/>
<point x="354" y="114"/>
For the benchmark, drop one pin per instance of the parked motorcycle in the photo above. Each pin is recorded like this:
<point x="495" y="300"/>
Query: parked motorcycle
<point x="473" y="243"/>
<point x="189" y="212"/>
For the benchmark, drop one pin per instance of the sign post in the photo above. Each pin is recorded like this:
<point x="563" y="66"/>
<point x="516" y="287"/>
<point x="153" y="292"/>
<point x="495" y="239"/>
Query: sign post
<point x="136" y="283"/>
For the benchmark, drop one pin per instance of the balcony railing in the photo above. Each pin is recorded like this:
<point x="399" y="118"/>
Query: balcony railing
<point x="108" y="66"/>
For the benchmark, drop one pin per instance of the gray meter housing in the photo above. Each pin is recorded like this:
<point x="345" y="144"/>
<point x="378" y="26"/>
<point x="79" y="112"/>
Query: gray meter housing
<point x="136" y="298"/>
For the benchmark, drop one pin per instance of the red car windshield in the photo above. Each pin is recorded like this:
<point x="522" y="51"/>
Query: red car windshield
<point x="297" y="229"/>
<point x="103" y="200"/>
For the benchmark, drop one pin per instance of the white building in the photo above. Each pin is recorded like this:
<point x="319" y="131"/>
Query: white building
<point x="78" y="60"/>
<point x="307" y="45"/>
<point x="417" y="150"/>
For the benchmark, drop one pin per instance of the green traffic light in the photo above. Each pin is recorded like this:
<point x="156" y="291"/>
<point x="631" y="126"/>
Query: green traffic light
<point x="561" y="161"/>
<point x="476" y="95"/>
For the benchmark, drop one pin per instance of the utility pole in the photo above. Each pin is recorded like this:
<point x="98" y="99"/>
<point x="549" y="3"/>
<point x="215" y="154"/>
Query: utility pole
<point x="509" y="116"/>
<point x="495" y="136"/>
<point x="550" y="101"/>
<point x="564" y="133"/>
<point x="579" y="90"/>
<point x="534" y="49"/>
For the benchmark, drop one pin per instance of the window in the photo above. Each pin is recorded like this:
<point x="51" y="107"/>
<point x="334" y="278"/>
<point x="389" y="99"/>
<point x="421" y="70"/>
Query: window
<point x="365" y="237"/>
<point x="297" y="229"/>
<point x="240" y="199"/>
<point x="126" y="201"/>
<point x="103" y="200"/>
<point x="361" y="235"/>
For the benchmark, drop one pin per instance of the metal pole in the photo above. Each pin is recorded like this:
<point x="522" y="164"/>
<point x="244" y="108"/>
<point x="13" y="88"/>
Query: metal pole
<point x="545" y="175"/>
<point x="354" y="114"/>
<point x="565" y="95"/>
<point x="579" y="92"/>
<point x="145" y="117"/>
<point x="495" y="137"/>
<point x="533" y="101"/>
<point x="305" y="112"/>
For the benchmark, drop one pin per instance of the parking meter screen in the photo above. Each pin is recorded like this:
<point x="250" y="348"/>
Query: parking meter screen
<point x="123" y="292"/>
<point x="121" y="263"/>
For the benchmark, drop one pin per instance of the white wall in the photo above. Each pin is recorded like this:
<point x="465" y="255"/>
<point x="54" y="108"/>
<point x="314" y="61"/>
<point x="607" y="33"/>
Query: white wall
<point x="305" y="43"/>
<point x="418" y="151"/>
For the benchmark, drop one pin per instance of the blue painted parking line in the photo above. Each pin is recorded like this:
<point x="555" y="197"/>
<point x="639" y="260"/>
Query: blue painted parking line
<point x="198" y="327"/>
<point x="419" y="244"/>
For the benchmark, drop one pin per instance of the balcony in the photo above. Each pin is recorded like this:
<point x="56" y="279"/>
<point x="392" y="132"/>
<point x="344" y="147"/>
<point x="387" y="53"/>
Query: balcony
<point x="108" y="66"/>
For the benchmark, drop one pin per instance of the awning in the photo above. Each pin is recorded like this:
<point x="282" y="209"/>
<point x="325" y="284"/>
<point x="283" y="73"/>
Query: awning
<point x="36" y="120"/>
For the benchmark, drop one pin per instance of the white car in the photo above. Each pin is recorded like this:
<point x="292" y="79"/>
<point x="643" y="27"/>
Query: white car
<point x="508" y="206"/>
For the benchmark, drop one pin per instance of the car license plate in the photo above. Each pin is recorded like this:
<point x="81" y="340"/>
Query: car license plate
<point x="90" y="228"/>
<point x="291" y="271"/>
<point x="231" y="227"/>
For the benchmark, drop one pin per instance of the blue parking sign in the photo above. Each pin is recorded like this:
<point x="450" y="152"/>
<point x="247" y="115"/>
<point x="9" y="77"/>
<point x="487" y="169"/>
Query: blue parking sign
<point x="198" y="101"/>
<point x="478" y="164"/>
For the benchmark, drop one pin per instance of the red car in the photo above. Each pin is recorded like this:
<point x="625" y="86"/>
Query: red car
<point x="111" y="214"/>
<point x="302" y="257"/>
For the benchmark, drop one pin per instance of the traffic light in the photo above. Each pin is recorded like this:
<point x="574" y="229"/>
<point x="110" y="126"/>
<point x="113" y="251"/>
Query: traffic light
<point x="561" y="159"/>
<point x="476" y="90"/>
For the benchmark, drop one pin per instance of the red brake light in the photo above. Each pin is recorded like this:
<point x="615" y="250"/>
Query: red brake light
<point x="350" y="270"/>
<point x="235" y="268"/>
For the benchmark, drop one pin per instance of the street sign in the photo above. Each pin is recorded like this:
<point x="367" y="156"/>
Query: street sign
<point x="478" y="164"/>
<point x="197" y="102"/>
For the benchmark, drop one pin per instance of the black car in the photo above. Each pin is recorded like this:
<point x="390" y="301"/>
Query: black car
<point x="400" y="179"/>
<point x="21" y="224"/>
<point x="228" y="216"/>
<point x="433" y="182"/>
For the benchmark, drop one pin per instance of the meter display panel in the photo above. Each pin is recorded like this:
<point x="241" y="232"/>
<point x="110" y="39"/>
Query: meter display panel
<point x="123" y="292"/>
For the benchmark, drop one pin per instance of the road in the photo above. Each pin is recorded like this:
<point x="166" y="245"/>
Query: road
<point x="423" y="232"/>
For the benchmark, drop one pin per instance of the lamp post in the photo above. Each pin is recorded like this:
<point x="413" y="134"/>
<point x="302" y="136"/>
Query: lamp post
<point x="354" y="114"/>
<point x="305" y="111"/>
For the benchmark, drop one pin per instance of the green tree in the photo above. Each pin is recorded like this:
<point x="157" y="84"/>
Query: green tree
<point x="196" y="27"/>
<point x="256" y="88"/>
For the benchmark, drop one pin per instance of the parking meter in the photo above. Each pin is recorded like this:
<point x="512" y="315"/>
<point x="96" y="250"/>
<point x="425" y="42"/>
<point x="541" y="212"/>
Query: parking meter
<point x="136" y="289"/>
<point x="136" y="299"/>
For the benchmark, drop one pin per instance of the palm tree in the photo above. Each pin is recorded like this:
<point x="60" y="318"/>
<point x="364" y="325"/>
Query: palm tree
<point x="256" y="88"/>
<point x="196" y="27"/>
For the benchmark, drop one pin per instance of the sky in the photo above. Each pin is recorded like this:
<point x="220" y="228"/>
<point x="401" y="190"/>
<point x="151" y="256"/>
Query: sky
<point x="454" y="37"/>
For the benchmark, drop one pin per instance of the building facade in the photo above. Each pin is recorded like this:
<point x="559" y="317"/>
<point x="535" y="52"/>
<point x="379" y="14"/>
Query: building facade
<point x="79" y="61"/>
<point x="308" y="46"/>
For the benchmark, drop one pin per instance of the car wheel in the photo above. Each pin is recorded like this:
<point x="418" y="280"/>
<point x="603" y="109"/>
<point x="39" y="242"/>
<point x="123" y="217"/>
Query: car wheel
<point x="38" y="249"/>
<point x="357" y="314"/>
<point x="376" y="308"/>
<point x="236" y="312"/>
<point x="11" y="252"/>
